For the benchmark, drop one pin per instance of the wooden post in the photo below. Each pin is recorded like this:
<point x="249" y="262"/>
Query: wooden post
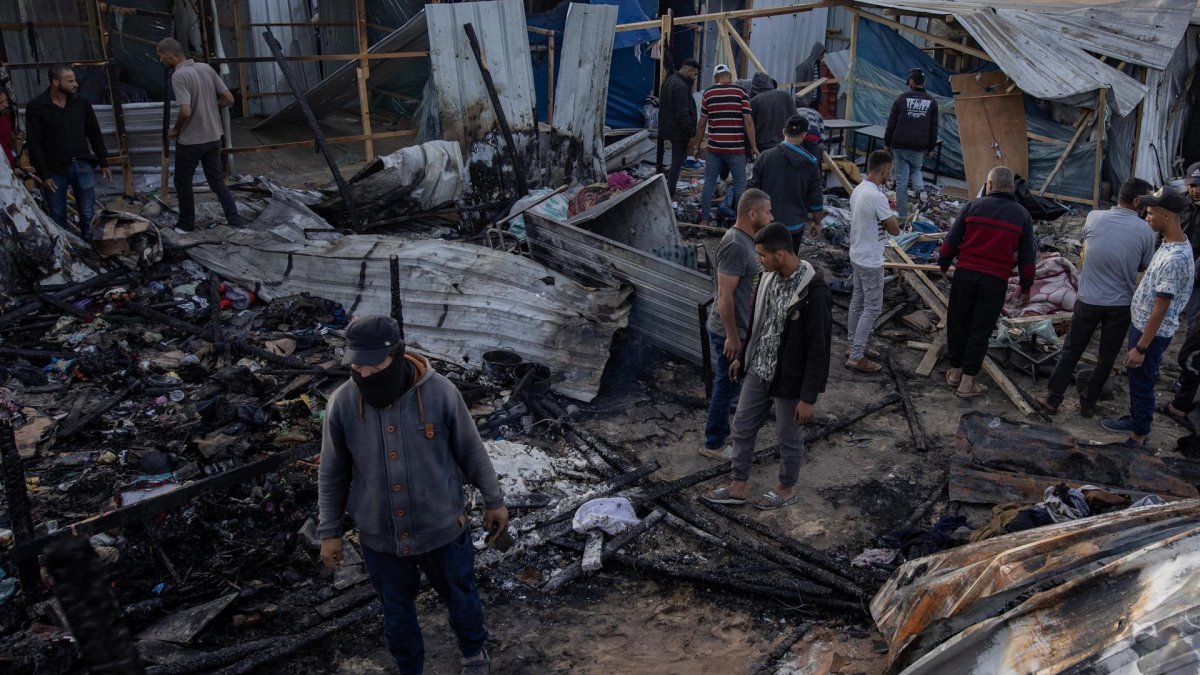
<point x="237" y="45"/>
<point x="663" y="27"/>
<point x="853" y="76"/>
<point x="364" y="71"/>
<point x="744" y="39"/>
<point x="550" y="80"/>
<point x="115" y="96"/>
<point x="1079" y="129"/>
<point x="1101" y="105"/>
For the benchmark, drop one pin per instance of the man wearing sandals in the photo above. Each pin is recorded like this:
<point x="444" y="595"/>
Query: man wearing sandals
<point x="1157" y="303"/>
<point x="871" y="220"/>
<point x="989" y="234"/>
<point x="786" y="364"/>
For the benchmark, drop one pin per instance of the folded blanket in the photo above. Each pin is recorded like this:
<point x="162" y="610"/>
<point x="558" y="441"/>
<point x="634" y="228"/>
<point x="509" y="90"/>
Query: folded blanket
<point x="1055" y="289"/>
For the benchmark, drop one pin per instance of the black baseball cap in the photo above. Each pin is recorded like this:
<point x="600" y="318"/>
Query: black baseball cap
<point x="1164" y="198"/>
<point x="797" y="125"/>
<point x="1193" y="175"/>
<point x="917" y="76"/>
<point x="370" y="339"/>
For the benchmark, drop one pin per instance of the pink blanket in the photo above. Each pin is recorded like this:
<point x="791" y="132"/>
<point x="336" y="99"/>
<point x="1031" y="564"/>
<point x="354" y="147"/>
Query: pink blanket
<point x="1055" y="288"/>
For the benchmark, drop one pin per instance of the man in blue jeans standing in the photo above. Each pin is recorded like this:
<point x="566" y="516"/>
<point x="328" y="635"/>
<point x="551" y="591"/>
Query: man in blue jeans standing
<point x="726" y="115"/>
<point x="65" y="147"/>
<point x="729" y="318"/>
<point x="911" y="136"/>
<point x="197" y="131"/>
<point x="398" y="438"/>
<point x="1157" y="303"/>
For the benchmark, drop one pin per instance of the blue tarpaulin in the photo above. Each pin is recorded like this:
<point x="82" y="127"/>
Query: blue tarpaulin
<point x="883" y="60"/>
<point x="632" y="75"/>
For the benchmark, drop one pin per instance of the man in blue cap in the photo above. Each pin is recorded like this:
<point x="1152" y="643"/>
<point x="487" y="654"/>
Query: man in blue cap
<point x="396" y="438"/>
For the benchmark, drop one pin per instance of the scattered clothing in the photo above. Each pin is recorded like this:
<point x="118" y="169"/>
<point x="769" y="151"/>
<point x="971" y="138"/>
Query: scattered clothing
<point x="1027" y="519"/>
<point x="876" y="557"/>
<point x="1064" y="503"/>
<point x="1148" y="500"/>
<point x="1054" y="290"/>
<point x="916" y="543"/>
<point x="1002" y="516"/>
<point x="1100" y="500"/>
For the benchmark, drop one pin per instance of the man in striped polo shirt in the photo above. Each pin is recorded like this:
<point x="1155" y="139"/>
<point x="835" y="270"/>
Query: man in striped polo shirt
<point x="726" y="115"/>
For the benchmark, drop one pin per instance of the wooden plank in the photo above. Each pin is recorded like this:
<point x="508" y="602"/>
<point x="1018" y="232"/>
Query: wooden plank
<point x="1101" y="105"/>
<point x="924" y="278"/>
<point x="991" y="125"/>
<point x="929" y="361"/>
<point x="837" y="172"/>
<point x="1024" y="320"/>
<point x="735" y="14"/>
<point x="929" y="37"/>
<point x="1045" y="139"/>
<point x="363" y="73"/>
<point x="911" y="266"/>
<point x="733" y="34"/>
<point x="852" y="82"/>
<point x="1066" y="152"/>
<point x="918" y="345"/>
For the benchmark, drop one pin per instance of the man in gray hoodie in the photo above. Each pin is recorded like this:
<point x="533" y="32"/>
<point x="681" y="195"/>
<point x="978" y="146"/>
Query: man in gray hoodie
<point x="396" y="438"/>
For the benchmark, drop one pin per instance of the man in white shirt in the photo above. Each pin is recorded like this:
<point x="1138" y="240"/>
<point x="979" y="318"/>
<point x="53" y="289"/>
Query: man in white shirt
<point x="871" y="221"/>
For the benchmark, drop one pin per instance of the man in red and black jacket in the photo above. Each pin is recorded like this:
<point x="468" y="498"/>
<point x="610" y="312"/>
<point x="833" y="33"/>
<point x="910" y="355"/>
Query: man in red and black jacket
<point x="990" y="235"/>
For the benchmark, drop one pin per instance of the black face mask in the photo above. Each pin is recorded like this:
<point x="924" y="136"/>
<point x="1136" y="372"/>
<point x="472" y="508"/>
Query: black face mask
<point x="384" y="387"/>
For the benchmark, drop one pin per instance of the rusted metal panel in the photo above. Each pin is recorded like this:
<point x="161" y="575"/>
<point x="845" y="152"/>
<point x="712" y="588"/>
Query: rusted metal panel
<point x="341" y="87"/>
<point x="460" y="300"/>
<point x="1112" y="593"/>
<point x="997" y="443"/>
<point x="615" y="242"/>
<point x="582" y="94"/>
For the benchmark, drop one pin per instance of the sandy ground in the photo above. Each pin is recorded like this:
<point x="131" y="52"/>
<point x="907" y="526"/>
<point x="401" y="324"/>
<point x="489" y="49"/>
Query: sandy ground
<point x="854" y="485"/>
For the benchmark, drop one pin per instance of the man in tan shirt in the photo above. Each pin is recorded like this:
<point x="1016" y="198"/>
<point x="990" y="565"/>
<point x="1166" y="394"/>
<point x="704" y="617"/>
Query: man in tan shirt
<point x="197" y="131"/>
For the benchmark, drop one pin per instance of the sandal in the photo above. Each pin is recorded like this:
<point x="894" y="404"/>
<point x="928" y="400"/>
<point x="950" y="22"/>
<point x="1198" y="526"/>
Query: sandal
<point x="770" y="501"/>
<point x="869" y="367"/>
<point x="979" y="390"/>
<point x="1164" y="409"/>
<point x="953" y="382"/>
<point x="723" y="496"/>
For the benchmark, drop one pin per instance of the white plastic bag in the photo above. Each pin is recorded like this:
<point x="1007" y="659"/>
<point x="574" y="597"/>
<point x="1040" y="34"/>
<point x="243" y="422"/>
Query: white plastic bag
<point x="611" y="514"/>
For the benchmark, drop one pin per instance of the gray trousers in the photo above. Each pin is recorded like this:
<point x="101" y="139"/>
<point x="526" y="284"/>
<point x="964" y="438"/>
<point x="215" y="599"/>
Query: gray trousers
<point x="866" y="304"/>
<point x="752" y="409"/>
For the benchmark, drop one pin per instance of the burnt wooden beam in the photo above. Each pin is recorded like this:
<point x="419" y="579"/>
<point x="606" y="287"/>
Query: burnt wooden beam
<point x="566" y="575"/>
<point x="20" y="514"/>
<point x="915" y="426"/>
<point x="80" y="584"/>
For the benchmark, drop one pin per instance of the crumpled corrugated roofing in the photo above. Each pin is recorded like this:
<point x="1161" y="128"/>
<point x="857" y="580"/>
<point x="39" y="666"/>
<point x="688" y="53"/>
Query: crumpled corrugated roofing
<point x="1044" y="47"/>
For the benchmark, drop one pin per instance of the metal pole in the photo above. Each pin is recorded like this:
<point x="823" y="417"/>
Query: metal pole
<point x="318" y="135"/>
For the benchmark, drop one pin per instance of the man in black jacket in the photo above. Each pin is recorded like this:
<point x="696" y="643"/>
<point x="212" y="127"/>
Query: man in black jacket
<point x="65" y="147"/>
<point x="1190" y="222"/>
<point x="786" y="365"/>
<point x="677" y="117"/>
<point x="792" y="177"/>
<point x="911" y="136"/>
<point x="772" y="108"/>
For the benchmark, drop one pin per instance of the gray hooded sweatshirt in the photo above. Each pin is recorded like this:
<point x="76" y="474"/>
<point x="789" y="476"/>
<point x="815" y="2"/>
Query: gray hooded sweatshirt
<point x="397" y="470"/>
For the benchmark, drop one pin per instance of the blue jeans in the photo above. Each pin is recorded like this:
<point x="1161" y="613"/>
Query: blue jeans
<point x="81" y="178"/>
<point x="1141" y="381"/>
<point x="713" y="163"/>
<point x="908" y="165"/>
<point x="724" y="393"/>
<point x="451" y="571"/>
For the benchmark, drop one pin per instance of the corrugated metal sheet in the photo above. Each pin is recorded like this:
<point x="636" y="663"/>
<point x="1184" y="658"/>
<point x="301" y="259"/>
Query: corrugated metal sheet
<point x="296" y="40"/>
<point x="460" y="299"/>
<point x="1167" y="109"/>
<point x="782" y="42"/>
<point x="1042" y="46"/>
<point x="1116" y="593"/>
<point x="464" y="109"/>
<point x="50" y="43"/>
<point x="341" y="87"/>
<point x="615" y="241"/>
<point x="581" y="94"/>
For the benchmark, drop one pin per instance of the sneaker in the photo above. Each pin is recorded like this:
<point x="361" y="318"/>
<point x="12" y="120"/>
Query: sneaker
<point x="480" y="664"/>
<point x="1121" y="425"/>
<point x="725" y="454"/>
